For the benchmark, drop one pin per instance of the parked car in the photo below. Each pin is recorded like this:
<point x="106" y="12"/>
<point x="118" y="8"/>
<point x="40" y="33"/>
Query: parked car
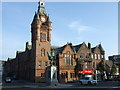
<point x="8" y="80"/>
<point x="88" y="80"/>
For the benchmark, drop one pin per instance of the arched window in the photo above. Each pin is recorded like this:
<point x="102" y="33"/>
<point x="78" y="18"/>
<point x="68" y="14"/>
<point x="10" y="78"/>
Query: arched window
<point x="98" y="56"/>
<point x="92" y="56"/>
<point x="42" y="52"/>
<point x="95" y="56"/>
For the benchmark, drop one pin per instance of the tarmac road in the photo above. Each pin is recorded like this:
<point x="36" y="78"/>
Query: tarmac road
<point x="18" y="84"/>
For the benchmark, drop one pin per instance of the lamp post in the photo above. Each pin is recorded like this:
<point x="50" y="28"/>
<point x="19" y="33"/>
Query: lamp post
<point x="96" y="74"/>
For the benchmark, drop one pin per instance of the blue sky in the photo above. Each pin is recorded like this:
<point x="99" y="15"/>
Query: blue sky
<point x="74" y="22"/>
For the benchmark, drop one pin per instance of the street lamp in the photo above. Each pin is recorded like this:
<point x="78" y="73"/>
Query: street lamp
<point x="96" y="74"/>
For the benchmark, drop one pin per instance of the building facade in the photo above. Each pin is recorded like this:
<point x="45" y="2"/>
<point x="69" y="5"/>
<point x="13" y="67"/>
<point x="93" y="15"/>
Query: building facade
<point x="31" y="64"/>
<point x="116" y="60"/>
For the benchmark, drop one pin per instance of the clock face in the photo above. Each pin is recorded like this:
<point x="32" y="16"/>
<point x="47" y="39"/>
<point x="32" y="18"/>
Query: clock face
<point x="43" y="19"/>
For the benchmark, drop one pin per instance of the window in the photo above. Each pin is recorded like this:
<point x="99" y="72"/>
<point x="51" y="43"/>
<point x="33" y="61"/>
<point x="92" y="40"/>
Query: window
<point x="68" y="58"/>
<point x="42" y="75"/>
<point x="95" y="56"/>
<point x="86" y="66"/>
<point x="65" y="58"/>
<point x="64" y="75"/>
<point x="81" y="55"/>
<point x="93" y="64"/>
<point x="72" y="75"/>
<point x="87" y="55"/>
<point x="39" y="64"/>
<point x="102" y="57"/>
<point x="43" y="37"/>
<point x="98" y="56"/>
<point x="46" y="63"/>
<point x="92" y="56"/>
<point x="43" y="52"/>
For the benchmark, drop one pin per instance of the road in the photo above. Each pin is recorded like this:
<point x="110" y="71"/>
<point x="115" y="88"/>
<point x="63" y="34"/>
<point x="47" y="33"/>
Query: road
<point x="23" y="84"/>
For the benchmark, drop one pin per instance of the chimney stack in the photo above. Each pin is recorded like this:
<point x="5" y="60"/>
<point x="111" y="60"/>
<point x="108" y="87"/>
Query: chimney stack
<point x="89" y="45"/>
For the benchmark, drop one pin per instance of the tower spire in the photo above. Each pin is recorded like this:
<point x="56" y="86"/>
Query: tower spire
<point x="41" y="7"/>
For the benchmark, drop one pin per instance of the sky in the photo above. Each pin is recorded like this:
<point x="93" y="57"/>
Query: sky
<point x="75" y="22"/>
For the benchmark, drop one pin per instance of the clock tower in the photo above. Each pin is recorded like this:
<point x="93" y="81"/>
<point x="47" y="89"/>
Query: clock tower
<point x="41" y="41"/>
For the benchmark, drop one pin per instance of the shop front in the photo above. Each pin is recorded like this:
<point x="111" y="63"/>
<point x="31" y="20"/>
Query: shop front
<point x="85" y="73"/>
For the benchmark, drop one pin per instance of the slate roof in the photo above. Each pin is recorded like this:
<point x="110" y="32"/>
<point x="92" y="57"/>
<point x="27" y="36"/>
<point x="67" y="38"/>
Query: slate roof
<point x="76" y="48"/>
<point x="92" y="49"/>
<point x="60" y="49"/>
<point x="53" y="47"/>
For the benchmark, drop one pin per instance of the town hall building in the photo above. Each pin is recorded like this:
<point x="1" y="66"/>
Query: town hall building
<point x="31" y="64"/>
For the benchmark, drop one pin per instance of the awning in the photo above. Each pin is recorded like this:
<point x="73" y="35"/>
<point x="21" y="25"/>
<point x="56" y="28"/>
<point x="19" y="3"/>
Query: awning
<point x="86" y="72"/>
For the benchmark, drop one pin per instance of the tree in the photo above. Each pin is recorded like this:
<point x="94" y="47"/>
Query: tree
<point x="113" y="69"/>
<point x="107" y="70"/>
<point x="101" y="68"/>
<point x="78" y="67"/>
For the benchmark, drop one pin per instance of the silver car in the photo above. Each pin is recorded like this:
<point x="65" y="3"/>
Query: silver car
<point x="88" y="80"/>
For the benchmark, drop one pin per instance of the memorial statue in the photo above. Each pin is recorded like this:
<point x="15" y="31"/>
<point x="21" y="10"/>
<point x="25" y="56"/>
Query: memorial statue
<point x="52" y="70"/>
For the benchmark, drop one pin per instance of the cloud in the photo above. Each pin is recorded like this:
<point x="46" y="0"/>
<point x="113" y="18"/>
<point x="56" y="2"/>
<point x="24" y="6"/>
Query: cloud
<point x="77" y="26"/>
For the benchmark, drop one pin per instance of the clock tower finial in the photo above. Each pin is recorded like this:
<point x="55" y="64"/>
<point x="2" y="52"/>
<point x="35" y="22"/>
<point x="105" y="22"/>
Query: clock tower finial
<point x="41" y="3"/>
<point x="41" y="7"/>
